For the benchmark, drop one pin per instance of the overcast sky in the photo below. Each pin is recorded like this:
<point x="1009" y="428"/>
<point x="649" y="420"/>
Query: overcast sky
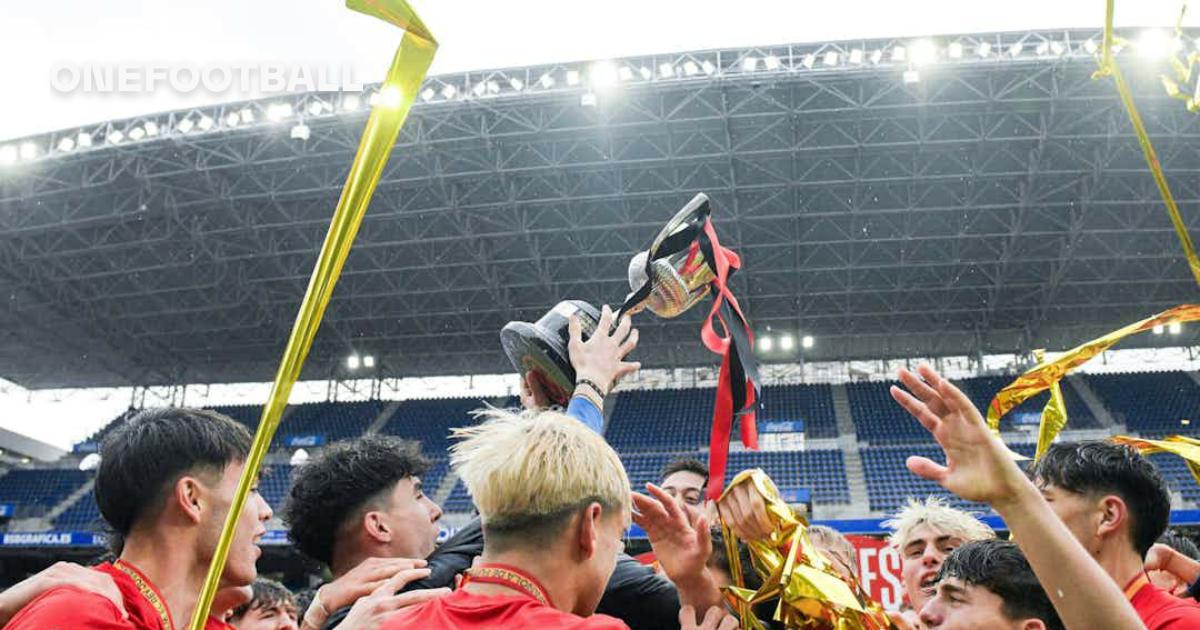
<point x="35" y="36"/>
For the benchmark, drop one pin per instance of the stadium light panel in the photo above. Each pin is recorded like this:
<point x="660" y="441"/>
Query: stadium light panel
<point x="625" y="73"/>
<point x="1155" y="43"/>
<point x="1175" y="328"/>
<point x="547" y="81"/>
<point x="278" y="111"/>
<point x="1057" y="48"/>
<point x="954" y="50"/>
<point x="315" y="108"/>
<point x="572" y="77"/>
<point x="899" y="53"/>
<point x="8" y="154"/>
<point x="984" y="50"/>
<point x="479" y="89"/>
<point x="771" y="62"/>
<point x="808" y="341"/>
<point x="809" y="61"/>
<point x="1158" y="330"/>
<point x="831" y="58"/>
<point x="877" y="56"/>
<point x="856" y="56"/>
<point x="390" y="96"/>
<point x="232" y="119"/>
<point x="185" y="125"/>
<point x="911" y="76"/>
<point x="1091" y="46"/>
<point x="449" y="91"/>
<point x="1042" y="49"/>
<point x="246" y="115"/>
<point x="708" y="68"/>
<point x="66" y="144"/>
<point x="28" y="150"/>
<point x="646" y="73"/>
<point x="137" y="133"/>
<point x="786" y="342"/>
<point x="1015" y="49"/>
<point x="116" y="137"/>
<point x="588" y="99"/>
<point x="205" y="123"/>
<point x="301" y="132"/>
<point x="151" y="128"/>
<point x="516" y="84"/>
<point x="493" y="87"/>
<point x="84" y="139"/>
<point x="690" y="68"/>
<point x="353" y="362"/>
<point x="766" y="343"/>
<point x="427" y="94"/>
<point x="368" y="361"/>
<point x="603" y="74"/>
<point x="666" y="70"/>
<point x="924" y="52"/>
<point x="749" y="64"/>
<point x="350" y="102"/>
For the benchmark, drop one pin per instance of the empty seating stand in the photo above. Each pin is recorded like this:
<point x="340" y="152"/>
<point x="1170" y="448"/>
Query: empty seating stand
<point x="811" y="403"/>
<point x="1151" y="403"/>
<point x="33" y="492"/>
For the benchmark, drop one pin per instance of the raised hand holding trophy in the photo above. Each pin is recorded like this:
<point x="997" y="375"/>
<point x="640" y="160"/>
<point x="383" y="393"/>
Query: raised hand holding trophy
<point x="683" y="265"/>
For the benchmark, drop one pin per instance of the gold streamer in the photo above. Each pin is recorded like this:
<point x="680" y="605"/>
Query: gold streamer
<point x="1040" y="377"/>
<point x="1054" y="414"/>
<point x="1108" y="67"/>
<point x="811" y="593"/>
<point x="1185" y="447"/>
<point x="409" y="65"/>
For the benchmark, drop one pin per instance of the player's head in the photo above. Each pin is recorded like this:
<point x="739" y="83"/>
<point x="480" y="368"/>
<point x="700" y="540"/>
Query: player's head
<point x="837" y="548"/>
<point x="1110" y="496"/>
<point x="546" y="485"/>
<point x="271" y="607"/>
<point x="684" y="479"/>
<point x="924" y="533"/>
<point x="173" y="473"/>
<point x="362" y="498"/>
<point x="988" y="585"/>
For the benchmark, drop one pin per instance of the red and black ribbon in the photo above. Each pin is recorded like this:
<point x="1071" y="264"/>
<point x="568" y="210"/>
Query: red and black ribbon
<point x="738" y="388"/>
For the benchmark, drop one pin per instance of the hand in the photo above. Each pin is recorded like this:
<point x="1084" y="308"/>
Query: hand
<point x="1163" y="558"/>
<point x="533" y="397"/>
<point x="715" y="619"/>
<point x="59" y="574"/>
<point x="363" y="579"/>
<point x="600" y="359"/>
<point x="370" y="612"/>
<point x="978" y="465"/>
<point x="745" y="512"/>
<point x="680" y="538"/>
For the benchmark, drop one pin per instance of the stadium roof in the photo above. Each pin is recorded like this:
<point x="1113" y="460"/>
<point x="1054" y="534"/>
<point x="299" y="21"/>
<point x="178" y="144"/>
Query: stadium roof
<point x="989" y="197"/>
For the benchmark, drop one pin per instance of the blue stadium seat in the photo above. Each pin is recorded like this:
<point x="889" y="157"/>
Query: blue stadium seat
<point x="33" y="492"/>
<point x="811" y="403"/>
<point x="890" y="484"/>
<point x="1151" y="403"/>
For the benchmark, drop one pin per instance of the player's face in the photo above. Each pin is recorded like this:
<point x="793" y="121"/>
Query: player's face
<point x="957" y="605"/>
<point x="686" y="487"/>
<point x="244" y="551"/>
<point x="413" y="517"/>
<point x="920" y="558"/>
<point x="278" y="617"/>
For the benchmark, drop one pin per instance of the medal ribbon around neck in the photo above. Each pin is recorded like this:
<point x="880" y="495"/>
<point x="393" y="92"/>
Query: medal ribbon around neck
<point x="510" y="577"/>
<point x="147" y="592"/>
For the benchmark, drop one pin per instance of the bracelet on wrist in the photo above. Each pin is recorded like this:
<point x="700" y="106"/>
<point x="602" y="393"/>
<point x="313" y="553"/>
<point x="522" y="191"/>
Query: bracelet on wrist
<point x="591" y="385"/>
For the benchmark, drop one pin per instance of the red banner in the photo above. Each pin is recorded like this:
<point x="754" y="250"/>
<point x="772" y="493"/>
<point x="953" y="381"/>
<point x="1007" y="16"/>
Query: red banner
<point x="879" y="570"/>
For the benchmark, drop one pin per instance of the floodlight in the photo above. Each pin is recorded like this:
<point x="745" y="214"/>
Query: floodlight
<point x="368" y="361"/>
<point x="786" y="342"/>
<point x="301" y="132"/>
<point x="205" y="123"/>
<point x="749" y="64"/>
<point x="279" y="111"/>
<point x="28" y="150"/>
<point x="954" y="50"/>
<point x="547" y="81"/>
<point x="911" y="76"/>
<point x="116" y="137"/>
<point x="232" y="119"/>
<point x="185" y="125"/>
<point x="690" y="68"/>
<point x="625" y="73"/>
<point x="449" y="91"/>
<point x="588" y="99"/>
<point x="1175" y="328"/>
<point x="66" y="144"/>
<point x="924" y="51"/>
<point x="708" y="68"/>
<point x="350" y="102"/>
<point x="766" y="343"/>
<point x="572" y="77"/>
<point x="985" y="49"/>
<point x="1158" y="330"/>
<point x="137" y="133"/>
<point x="666" y="71"/>
<point x="831" y="58"/>
<point x="771" y="62"/>
<point x="8" y="154"/>
<point x="151" y="128"/>
<point x="603" y="74"/>
<point x="899" y="53"/>
<point x="352" y="362"/>
<point x="316" y="107"/>
<point x="84" y="139"/>
<point x="807" y="341"/>
<point x="856" y="56"/>
<point x="516" y="84"/>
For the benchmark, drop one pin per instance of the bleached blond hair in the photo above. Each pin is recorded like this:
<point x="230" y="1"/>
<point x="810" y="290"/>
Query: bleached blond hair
<point x="934" y="512"/>
<point x="529" y="472"/>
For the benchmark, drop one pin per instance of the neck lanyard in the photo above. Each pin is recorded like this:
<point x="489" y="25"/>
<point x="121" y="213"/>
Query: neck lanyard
<point x="511" y="577"/>
<point x="147" y="591"/>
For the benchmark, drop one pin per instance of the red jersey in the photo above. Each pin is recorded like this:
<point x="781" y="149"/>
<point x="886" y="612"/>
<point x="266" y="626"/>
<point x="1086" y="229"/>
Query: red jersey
<point x="1159" y="609"/>
<point x="72" y="608"/>
<point x="461" y="609"/>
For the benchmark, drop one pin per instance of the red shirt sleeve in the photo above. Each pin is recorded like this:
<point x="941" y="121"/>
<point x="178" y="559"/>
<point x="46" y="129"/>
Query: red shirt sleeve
<point x="69" y="608"/>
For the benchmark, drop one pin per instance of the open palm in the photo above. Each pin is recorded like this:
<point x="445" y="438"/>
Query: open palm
<point x="978" y="466"/>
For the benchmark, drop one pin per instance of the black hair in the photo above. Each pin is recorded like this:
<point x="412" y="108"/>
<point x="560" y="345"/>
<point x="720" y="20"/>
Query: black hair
<point x="1001" y="568"/>
<point x="685" y="464"/>
<point x="332" y="488"/>
<point x="267" y="595"/>
<point x="144" y="457"/>
<point x="1100" y="468"/>
<point x="1180" y="543"/>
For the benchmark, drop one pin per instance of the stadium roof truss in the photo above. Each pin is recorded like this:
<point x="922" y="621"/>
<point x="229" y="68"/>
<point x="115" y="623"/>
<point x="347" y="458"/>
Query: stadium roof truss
<point x="989" y="199"/>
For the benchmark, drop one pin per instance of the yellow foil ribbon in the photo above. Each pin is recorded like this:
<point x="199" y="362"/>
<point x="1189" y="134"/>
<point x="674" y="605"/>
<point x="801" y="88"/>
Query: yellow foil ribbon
<point x="1185" y="447"/>
<point x="811" y="593"/>
<point x="1054" y="414"/>
<point x="1109" y="67"/>
<point x="409" y="66"/>
<point x="1040" y="377"/>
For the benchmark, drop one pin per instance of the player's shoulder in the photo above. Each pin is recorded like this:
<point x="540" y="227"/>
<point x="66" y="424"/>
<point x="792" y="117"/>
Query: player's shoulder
<point x="68" y="607"/>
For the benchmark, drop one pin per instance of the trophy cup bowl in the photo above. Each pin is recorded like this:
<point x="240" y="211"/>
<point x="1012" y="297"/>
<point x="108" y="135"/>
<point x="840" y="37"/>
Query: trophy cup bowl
<point x="668" y="279"/>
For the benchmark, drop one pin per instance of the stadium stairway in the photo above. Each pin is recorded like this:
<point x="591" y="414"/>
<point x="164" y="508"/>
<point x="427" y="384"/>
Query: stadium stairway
<point x="1099" y="411"/>
<point x="70" y="500"/>
<point x="1195" y="376"/>
<point x="841" y="410"/>
<point x="856" y="476"/>
<point x="442" y="492"/>
<point x="385" y="414"/>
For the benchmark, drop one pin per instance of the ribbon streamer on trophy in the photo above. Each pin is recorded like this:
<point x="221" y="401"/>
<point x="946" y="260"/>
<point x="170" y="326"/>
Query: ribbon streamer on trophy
<point x="1183" y="446"/>
<point x="683" y="264"/>
<point x="409" y="66"/>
